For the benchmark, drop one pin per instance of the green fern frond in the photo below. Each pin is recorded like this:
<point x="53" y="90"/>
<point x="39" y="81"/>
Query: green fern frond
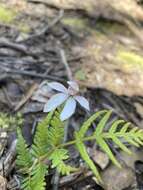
<point x="41" y="143"/>
<point x="89" y="122"/>
<point x="133" y="136"/>
<point x="101" y="141"/>
<point x="49" y="134"/>
<point x="118" y="130"/>
<point x="104" y="146"/>
<point x="48" y="145"/>
<point x="102" y="123"/>
<point x="24" y="158"/>
<point x="26" y="183"/>
<point x="58" y="157"/>
<point x="83" y="152"/>
<point x="56" y="130"/>
<point x="65" y="169"/>
<point x="114" y="137"/>
<point x="36" y="178"/>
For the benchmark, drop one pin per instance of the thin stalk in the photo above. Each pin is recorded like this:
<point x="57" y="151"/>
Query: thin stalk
<point x="69" y="75"/>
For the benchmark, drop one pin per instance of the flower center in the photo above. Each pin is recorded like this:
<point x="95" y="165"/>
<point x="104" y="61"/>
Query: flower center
<point x="72" y="91"/>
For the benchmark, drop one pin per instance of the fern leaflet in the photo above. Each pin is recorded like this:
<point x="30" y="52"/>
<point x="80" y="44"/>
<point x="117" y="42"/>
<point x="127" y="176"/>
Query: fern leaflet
<point x="24" y="158"/>
<point x="36" y="178"/>
<point x="58" y="157"/>
<point x="83" y="152"/>
<point x="48" y="145"/>
<point x="119" y="130"/>
<point x="41" y="144"/>
<point x="56" y="131"/>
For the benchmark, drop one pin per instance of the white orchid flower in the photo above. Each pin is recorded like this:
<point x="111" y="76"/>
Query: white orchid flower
<point x="69" y="96"/>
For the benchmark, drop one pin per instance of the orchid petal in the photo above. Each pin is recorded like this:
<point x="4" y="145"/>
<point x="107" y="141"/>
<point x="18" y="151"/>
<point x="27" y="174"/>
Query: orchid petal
<point x="82" y="101"/>
<point x="45" y="90"/>
<point x="73" y="85"/>
<point x="39" y="98"/>
<point x="69" y="109"/>
<point x="55" y="101"/>
<point x="58" y="86"/>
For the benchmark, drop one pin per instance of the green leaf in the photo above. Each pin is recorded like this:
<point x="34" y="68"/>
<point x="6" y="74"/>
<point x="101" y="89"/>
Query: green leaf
<point x="102" y="123"/>
<point x="80" y="75"/>
<point x="56" y="131"/>
<point x="48" y="145"/>
<point x="41" y="144"/>
<point x="83" y="152"/>
<point x="121" y="145"/>
<point x="36" y="178"/>
<point x="26" y="183"/>
<point x="116" y="134"/>
<point x="125" y="128"/>
<point x="112" y="133"/>
<point x="114" y="126"/>
<point x="24" y="157"/>
<point x="101" y="142"/>
<point x="58" y="157"/>
<point x="89" y="122"/>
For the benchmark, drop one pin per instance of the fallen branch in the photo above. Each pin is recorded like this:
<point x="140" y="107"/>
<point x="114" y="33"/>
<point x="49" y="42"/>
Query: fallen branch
<point x="31" y="74"/>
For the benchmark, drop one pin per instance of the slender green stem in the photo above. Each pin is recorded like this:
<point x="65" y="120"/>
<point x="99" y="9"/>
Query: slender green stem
<point x="67" y="144"/>
<point x="105" y="135"/>
<point x="74" y="141"/>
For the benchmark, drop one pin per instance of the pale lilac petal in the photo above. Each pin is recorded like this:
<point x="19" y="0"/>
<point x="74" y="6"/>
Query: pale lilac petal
<point x="82" y="101"/>
<point x="55" y="101"/>
<point x="58" y="86"/>
<point x="69" y="109"/>
<point x="74" y="85"/>
<point x="39" y="98"/>
<point x="45" y="89"/>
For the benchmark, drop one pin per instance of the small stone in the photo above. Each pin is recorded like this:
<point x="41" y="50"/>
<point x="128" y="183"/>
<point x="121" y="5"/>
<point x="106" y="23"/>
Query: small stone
<point x="118" y="179"/>
<point x="99" y="157"/>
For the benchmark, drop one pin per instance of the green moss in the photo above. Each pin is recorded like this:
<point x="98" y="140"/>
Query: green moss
<point x="10" y="122"/>
<point x="75" y="22"/>
<point x="6" y="15"/>
<point x="23" y="27"/>
<point x="80" y="75"/>
<point x="111" y="27"/>
<point x="82" y="25"/>
<point x="130" y="59"/>
<point x="98" y="29"/>
<point x="101" y="27"/>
